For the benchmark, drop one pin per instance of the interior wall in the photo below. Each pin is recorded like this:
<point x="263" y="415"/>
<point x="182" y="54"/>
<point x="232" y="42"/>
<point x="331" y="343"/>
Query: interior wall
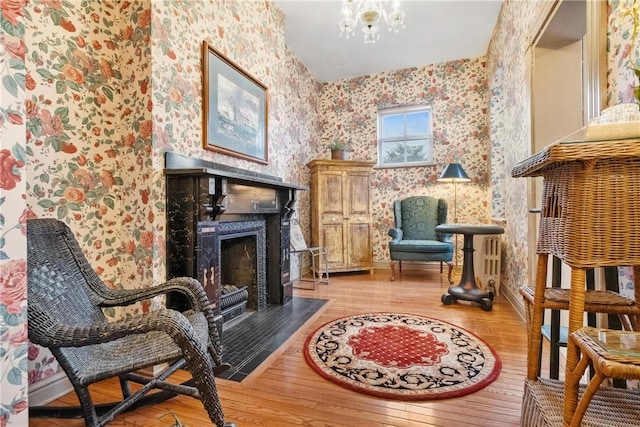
<point x="507" y="58"/>
<point x="111" y="87"/>
<point x="13" y="248"/>
<point x="509" y="112"/>
<point x="557" y="112"/>
<point x="250" y="34"/>
<point x="557" y="93"/>
<point x="623" y="53"/>
<point x="505" y="71"/>
<point x="89" y="134"/>
<point x="457" y="92"/>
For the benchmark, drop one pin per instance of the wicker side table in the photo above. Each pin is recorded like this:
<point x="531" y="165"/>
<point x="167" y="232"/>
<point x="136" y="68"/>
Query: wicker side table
<point x="589" y="218"/>
<point x="614" y="354"/>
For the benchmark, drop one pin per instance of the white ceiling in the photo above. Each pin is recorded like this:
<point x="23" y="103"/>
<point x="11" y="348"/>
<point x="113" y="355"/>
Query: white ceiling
<point x="437" y="31"/>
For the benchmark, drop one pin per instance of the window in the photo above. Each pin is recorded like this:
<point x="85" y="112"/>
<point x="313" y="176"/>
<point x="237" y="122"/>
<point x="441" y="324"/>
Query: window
<point x="405" y="137"/>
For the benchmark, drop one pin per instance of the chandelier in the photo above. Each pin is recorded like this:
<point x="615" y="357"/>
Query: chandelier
<point x="368" y="13"/>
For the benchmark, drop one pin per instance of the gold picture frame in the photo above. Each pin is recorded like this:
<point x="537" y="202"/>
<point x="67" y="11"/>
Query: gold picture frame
<point x="235" y="109"/>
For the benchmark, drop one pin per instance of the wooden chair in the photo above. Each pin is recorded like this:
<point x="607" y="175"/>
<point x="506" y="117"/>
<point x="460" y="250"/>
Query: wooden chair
<point x="66" y="298"/>
<point x="318" y="255"/>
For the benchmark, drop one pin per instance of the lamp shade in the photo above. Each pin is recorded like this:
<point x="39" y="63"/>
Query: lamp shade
<point x="453" y="172"/>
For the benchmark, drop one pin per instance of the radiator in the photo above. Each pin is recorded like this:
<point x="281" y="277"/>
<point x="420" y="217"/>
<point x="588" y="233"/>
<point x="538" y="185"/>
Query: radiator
<point x="486" y="262"/>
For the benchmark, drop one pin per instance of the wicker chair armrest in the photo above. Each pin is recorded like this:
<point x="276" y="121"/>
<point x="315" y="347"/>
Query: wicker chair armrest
<point x="193" y="294"/>
<point x="189" y="287"/>
<point x="396" y="234"/>
<point x="169" y="321"/>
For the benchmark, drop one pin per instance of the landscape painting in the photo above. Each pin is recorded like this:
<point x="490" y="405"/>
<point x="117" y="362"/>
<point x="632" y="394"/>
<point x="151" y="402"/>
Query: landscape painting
<point x="235" y="109"/>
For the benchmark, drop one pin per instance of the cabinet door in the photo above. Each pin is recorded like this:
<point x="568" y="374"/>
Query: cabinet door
<point x="331" y="204"/>
<point x="358" y="219"/>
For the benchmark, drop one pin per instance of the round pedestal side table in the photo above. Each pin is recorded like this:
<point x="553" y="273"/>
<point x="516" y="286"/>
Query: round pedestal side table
<point x="467" y="289"/>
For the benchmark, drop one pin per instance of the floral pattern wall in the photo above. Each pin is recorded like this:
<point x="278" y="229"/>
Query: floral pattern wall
<point x="509" y="124"/>
<point x="457" y="93"/>
<point x="89" y="101"/>
<point x="624" y="77"/>
<point x="111" y="86"/>
<point x="88" y="138"/>
<point x="623" y="44"/>
<point x="250" y="34"/>
<point x="13" y="177"/>
<point x="509" y="115"/>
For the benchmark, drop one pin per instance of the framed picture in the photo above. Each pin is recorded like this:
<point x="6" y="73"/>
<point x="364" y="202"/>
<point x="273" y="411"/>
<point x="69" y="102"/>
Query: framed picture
<point x="235" y="109"/>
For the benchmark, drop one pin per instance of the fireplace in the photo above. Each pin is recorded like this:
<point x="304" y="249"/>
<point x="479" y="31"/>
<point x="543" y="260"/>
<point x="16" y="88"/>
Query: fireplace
<point x="241" y="272"/>
<point x="227" y="226"/>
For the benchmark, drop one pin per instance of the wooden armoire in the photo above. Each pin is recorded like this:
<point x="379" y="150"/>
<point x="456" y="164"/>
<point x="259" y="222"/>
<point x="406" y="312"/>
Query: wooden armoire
<point x="341" y="213"/>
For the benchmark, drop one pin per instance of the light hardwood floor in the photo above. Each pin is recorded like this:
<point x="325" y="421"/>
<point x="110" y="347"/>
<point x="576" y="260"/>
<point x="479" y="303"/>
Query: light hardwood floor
<point x="284" y="391"/>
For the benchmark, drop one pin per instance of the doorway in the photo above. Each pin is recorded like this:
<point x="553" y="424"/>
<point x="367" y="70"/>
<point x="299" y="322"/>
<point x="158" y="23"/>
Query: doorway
<point x="567" y="69"/>
<point x="567" y="65"/>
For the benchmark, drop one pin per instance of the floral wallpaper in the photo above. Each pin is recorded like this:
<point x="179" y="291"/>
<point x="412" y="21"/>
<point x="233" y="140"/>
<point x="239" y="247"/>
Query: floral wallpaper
<point x="251" y="34"/>
<point x="623" y="46"/>
<point x="506" y="71"/>
<point x="94" y="93"/>
<point x="111" y="86"/>
<point x="457" y="93"/>
<point x="89" y="135"/>
<point x="509" y="125"/>
<point x="13" y="181"/>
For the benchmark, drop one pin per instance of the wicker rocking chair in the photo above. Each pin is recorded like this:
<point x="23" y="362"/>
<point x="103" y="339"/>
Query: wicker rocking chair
<point x="66" y="298"/>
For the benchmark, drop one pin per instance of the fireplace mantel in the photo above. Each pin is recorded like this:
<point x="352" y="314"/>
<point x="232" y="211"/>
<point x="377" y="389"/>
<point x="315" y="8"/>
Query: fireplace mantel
<point x="177" y="163"/>
<point x="231" y="191"/>
<point x="201" y="196"/>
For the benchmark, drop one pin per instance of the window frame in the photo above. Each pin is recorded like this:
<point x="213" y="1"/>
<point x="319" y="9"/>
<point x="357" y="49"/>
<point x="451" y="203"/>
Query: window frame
<point x="404" y="111"/>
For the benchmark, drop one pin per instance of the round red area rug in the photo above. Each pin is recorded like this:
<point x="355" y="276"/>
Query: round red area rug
<point x="401" y="356"/>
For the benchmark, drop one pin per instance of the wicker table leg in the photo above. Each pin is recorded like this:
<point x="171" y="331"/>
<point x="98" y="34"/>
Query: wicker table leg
<point x="537" y="313"/>
<point x="576" y="321"/>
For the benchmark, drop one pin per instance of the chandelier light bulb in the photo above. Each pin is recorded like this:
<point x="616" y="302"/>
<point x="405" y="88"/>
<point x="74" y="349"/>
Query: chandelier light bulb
<point x="371" y="34"/>
<point x="347" y="27"/>
<point x="368" y="13"/>
<point x="396" y="21"/>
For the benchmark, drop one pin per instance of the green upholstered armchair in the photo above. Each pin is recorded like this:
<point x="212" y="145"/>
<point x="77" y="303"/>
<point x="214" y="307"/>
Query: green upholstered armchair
<point x="414" y="237"/>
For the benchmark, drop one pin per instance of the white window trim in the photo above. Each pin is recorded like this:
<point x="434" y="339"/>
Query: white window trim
<point x="404" y="110"/>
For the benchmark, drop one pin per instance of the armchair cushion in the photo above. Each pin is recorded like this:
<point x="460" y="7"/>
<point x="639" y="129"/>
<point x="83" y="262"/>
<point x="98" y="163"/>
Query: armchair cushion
<point x="421" y="246"/>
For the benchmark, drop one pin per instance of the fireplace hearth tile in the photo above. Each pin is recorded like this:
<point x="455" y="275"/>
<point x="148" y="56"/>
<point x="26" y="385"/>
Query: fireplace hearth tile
<point x="249" y="341"/>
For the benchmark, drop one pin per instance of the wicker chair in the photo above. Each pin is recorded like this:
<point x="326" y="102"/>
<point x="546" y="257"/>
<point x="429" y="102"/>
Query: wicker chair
<point x="414" y="237"/>
<point x="66" y="298"/>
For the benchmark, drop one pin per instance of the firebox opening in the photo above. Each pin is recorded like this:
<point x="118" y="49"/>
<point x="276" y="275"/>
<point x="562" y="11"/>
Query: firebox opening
<point x="238" y="262"/>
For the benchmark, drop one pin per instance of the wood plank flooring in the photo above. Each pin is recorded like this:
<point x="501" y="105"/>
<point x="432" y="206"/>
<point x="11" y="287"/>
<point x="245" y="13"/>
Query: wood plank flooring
<point x="284" y="391"/>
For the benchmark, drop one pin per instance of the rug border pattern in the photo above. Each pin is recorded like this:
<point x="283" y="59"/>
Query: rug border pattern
<point x="472" y="385"/>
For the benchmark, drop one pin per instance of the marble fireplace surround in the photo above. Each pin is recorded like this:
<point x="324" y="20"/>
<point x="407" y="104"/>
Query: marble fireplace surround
<point x="240" y="247"/>
<point x="208" y="202"/>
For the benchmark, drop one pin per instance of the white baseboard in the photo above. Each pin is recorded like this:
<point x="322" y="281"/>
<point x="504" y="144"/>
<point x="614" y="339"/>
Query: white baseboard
<point x="49" y="389"/>
<point x="56" y="386"/>
<point x="516" y="301"/>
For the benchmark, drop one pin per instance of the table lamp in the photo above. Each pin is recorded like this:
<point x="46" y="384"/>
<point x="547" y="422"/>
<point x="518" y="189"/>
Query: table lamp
<point x="453" y="172"/>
